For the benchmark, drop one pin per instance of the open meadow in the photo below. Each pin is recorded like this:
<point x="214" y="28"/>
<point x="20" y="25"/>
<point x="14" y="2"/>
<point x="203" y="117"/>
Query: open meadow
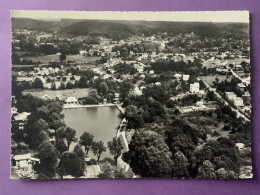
<point x="44" y="59"/>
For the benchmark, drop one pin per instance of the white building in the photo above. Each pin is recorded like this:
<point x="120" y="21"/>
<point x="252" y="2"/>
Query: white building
<point x="151" y="72"/>
<point x="83" y="52"/>
<point x="71" y="100"/>
<point x="238" y="101"/>
<point x="21" y="119"/>
<point x="195" y="88"/>
<point x="116" y="98"/>
<point x="199" y="103"/>
<point x="24" y="162"/>
<point x="137" y="91"/>
<point x="177" y="76"/>
<point x="139" y="68"/>
<point x="185" y="77"/>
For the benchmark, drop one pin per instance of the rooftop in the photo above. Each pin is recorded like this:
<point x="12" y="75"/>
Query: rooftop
<point x="22" y="116"/>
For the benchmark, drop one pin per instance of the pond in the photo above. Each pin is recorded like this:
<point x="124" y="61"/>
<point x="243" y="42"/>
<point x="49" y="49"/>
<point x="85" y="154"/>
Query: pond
<point x="101" y="122"/>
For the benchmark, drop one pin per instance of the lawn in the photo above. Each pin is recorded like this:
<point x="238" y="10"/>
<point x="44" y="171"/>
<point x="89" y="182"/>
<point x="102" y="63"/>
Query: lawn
<point x="63" y="94"/>
<point x="44" y="59"/>
<point x="207" y="63"/>
<point x="210" y="78"/>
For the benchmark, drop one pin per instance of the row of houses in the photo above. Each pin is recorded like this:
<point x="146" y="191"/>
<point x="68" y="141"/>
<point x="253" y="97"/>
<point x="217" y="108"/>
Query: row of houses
<point x="237" y="101"/>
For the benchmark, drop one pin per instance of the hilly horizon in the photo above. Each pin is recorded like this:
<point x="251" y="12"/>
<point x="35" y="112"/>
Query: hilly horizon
<point x="121" y="29"/>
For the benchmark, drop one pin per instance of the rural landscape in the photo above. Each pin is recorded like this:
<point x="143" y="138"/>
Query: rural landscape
<point x="130" y="99"/>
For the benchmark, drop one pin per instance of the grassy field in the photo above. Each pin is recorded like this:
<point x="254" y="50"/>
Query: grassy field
<point x="210" y="78"/>
<point x="63" y="94"/>
<point x="207" y="63"/>
<point x="49" y="58"/>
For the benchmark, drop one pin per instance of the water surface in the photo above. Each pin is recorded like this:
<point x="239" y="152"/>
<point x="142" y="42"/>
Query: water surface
<point x="102" y="122"/>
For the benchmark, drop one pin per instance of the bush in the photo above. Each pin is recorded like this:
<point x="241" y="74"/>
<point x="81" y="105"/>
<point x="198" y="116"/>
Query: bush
<point x="215" y="134"/>
<point x="226" y="128"/>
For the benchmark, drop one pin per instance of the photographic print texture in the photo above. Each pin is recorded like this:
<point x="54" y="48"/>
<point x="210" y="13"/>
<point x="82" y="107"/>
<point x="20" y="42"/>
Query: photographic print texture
<point x="130" y="95"/>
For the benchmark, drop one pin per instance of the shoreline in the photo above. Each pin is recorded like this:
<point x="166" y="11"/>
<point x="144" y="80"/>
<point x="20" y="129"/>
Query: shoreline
<point x="88" y="106"/>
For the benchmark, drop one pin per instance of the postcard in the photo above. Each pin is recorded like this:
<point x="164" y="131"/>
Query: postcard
<point x="130" y="95"/>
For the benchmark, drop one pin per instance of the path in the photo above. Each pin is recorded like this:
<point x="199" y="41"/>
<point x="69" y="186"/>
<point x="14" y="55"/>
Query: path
<point x="239" y="114"/>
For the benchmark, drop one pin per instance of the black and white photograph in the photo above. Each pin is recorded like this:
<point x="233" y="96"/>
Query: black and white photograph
<point x="119" y="95"/>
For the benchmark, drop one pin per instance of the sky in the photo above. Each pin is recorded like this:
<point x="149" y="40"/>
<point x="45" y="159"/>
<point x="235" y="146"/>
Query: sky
<point x="205" y="16"/>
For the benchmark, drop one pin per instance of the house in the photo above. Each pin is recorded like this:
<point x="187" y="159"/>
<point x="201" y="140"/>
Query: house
<point x="82" y="52"/>
<point x="185" y="77"/>
<point x="238" y="101"/>
<point x="157" y="83"/>
<point x="46" y="97"/>
<point x="21" y="119"/>
<point x="116" y="98"/>
<point x="238" y="67"/>
<point x="24" y="164"/>
<point x="240" y="146"/>
<point x="151" y="72"/>
<point x="241" y="86"/>
<point x="139" y="68"/>
<point x="199" y="103"/>
<point x="246" y="98"/>
<point x="14" y="109"/>
<point x="142" y="76"/>
<point x="137" y="91"/>
<point x="71" y="100"/>
<point x="177" y="76"/>
<point x="195" y="88"/>
<point x="52" y="135"/>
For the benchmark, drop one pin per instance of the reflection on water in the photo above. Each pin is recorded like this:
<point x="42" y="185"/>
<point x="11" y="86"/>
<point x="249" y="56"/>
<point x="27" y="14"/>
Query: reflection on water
<point x="102" y="122"/>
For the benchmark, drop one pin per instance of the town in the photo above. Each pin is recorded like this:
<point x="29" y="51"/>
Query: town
<point x="182" y="103"/>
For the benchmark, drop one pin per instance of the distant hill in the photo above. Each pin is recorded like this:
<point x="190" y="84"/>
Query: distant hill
<point x="117" y="29"/>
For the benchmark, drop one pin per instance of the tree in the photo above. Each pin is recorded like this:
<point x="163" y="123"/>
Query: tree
<point x="63" y="79"/>
<point x="121" y="173"/>
<point x="37" y="138"/>
<point x="62" y="86"/>
<point x="79" y="152"/>
<point x="63" y="56"/>
<point x="15" y="59"/>
<point x="103" y="88"/>
<point x="211" y="96"/>
<point x="222" y="153"/>
<point x="89" y="100"/>
<point x="36" y="132"/>
<point x="115" y="147"/>
<point x="223" y="173"/>
<point x="38" y="84"/>
<point x="180" y="165"/>
<point x="71" y="164"/>
<point x="86" y="140"/>
<point x="61" y="145"/>
<point x="206" y="170"/>
<point x="93" y="93"/>
<point x="107" y="173"/>
<point x="53" y="86"/>
<point x="70" y="136"/>
<point x="149" y="155"/>
<point x="98" y="148"/>
<point x="48" y="156"/>
<point x="69" y="85"/>
<point x="133" y="117"/>
<point x="29" y="103"/>
<point x="83" y="82"/>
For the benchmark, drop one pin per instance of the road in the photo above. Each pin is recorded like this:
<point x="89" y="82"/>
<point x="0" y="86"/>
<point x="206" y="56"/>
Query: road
<point x="239" y="114"/>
